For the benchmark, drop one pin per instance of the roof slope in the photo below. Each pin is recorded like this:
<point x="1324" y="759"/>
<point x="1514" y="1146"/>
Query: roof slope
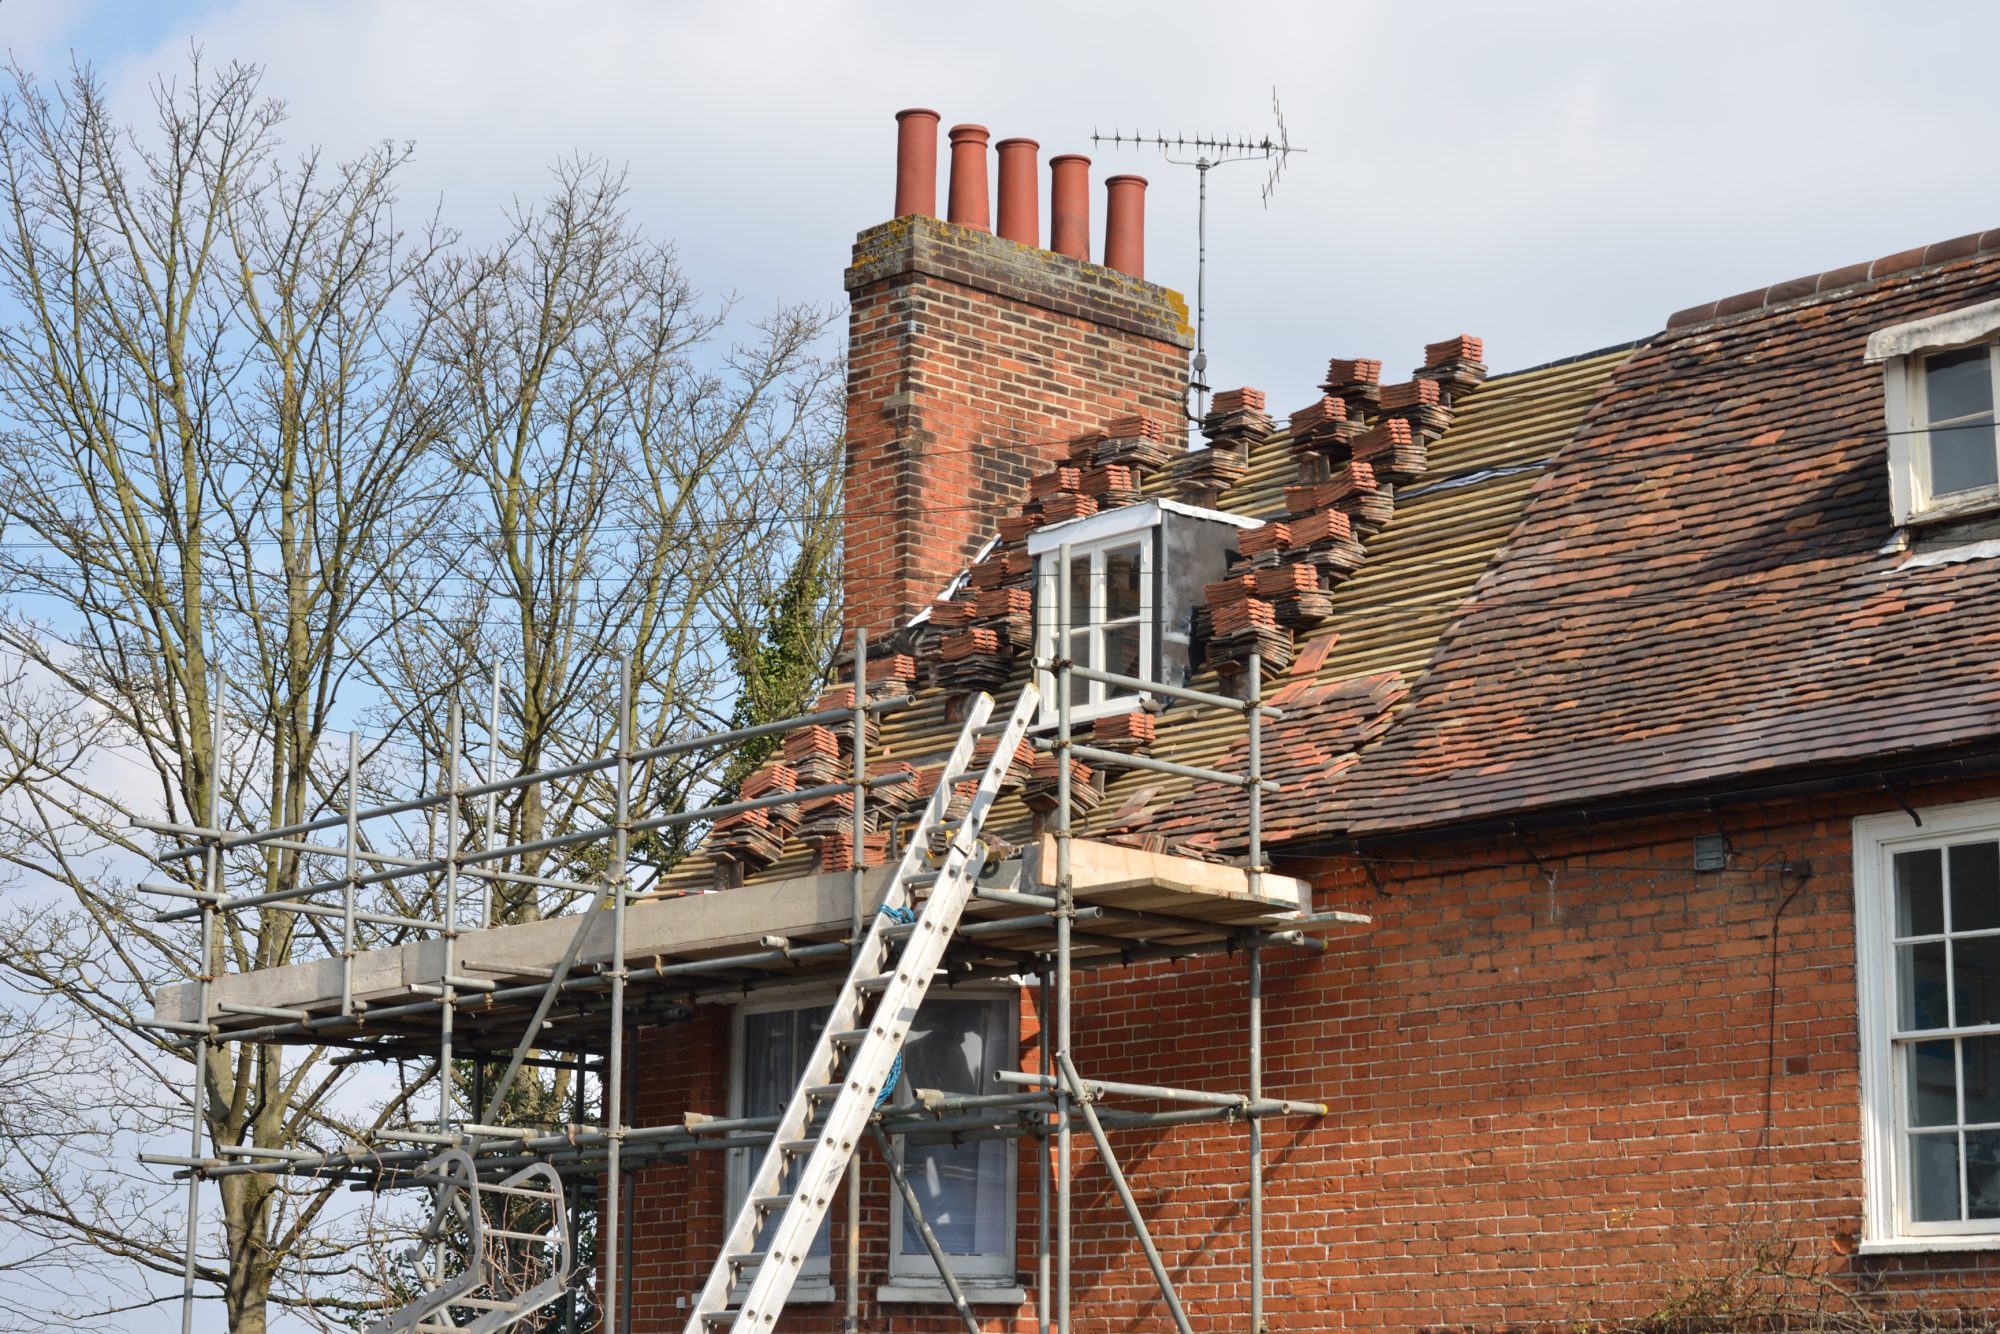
<point x="1698" y="590"/>
<point x="1352" y="673"/>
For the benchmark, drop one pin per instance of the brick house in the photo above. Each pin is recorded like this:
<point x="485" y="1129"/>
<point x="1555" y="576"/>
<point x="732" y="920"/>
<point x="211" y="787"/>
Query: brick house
<point x="1646" y="701"/>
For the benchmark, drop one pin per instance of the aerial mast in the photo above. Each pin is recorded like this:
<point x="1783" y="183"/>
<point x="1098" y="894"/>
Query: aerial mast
<point x="1211" y="151"/>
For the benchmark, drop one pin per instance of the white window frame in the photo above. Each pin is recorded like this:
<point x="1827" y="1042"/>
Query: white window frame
<point x="1877" y="840"/>
<point x="1089" y="540"/>
<point x="1902" y="350"/>
<point x="815" y="1278"/>
<point x="988" y="1277"/>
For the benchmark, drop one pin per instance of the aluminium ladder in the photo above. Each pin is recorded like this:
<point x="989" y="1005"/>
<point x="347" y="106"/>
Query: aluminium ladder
<point x="856" y="1052"/>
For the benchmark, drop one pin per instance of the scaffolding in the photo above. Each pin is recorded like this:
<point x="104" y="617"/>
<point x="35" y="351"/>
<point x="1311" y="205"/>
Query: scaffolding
<point x="573" y="1011"/>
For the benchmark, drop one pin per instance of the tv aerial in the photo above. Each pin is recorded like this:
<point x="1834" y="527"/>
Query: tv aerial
<point x="1212" y="151"/>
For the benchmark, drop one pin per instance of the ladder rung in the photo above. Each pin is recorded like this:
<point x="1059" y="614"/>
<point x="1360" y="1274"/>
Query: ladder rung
<point x="550" y="1238"/>
<point x="722" y="1317"/>
<point x="764" y="1204"/>
<point x="847" y="1037"/>
<point x="796" y="1146"/>
<point x="824" y="1092"/>
<point x="487" y="1303"/>
<point x="878" y="982"/>
<point x="746" y="1259"/>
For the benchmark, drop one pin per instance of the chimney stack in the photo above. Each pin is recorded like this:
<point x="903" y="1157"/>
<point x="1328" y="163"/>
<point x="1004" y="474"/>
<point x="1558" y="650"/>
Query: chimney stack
<point x="968" y="178"/>
<point x="973" y="359"/>
<point x="1069" y="205"/>
<point x="1125" y="225"/>
<point x="1020" y="204"/>
<point x="916" y="162"/>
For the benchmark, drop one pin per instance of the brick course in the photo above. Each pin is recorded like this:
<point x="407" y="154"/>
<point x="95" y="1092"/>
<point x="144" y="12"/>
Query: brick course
<point x="1567" y="1080"/>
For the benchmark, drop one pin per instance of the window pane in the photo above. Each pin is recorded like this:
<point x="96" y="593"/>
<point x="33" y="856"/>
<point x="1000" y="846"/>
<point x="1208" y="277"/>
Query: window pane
<point x="1920" y="986"/>
<point x="956" y="1045"/>
<point x="1933" y="1075"/>
<point x="1934" y="1178"/>
<point x="1121" y="652"/>
<point x="1920" y="893"/>
<point x="1962" y="458"/>
<point x="1982" y="1174"/>
<point x="1080" y="605"/>
<point x="1975" y="887"/>
<point x="776" y="1046"/>
<point x="1081" y="654"/>
<point x="1975" y="973"/>
<point x="1121" y="582"/>
<point x="1982" y="1080"/>
<point x="1958" y="384"/>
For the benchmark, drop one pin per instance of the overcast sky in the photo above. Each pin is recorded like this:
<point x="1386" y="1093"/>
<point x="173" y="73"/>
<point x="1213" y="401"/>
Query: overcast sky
<point x="1552" y="177"/>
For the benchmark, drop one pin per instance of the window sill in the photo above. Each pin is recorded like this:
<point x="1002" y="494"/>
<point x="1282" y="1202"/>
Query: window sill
<point x="1969" y="506"/>
<point x="1988" y="1241"/>
<point x="912" y="1292"/>
<point x="805" y="1292"/>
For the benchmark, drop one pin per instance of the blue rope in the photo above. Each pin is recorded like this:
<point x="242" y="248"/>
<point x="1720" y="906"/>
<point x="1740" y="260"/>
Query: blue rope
<point x="902" y="917"/>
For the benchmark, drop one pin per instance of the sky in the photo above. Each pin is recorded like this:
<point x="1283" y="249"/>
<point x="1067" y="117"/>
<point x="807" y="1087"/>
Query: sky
<point x="1554" y="177"/>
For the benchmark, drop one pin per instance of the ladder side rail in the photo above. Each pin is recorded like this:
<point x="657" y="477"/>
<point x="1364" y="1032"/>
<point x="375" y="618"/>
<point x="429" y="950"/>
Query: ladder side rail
<point x="742" y="1235"/>
<point x="897" y="1008"/>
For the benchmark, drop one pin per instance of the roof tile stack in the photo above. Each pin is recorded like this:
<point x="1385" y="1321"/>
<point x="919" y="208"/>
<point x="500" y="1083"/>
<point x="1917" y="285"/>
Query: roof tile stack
<point x="1137" y="441"/>
<point x="1455" y="364"/>
<point x="1393" y="450"/>
<point x="814" y="755"/>
<point x="1418" y="402"/>
<point x="1009" y="612"/>
<point x="1355" y="381"/>
<point x="1131" y="732"/>
<point x="747" y="837"/>
<point x="1039" y="795"/>
<point x="1235" y="425"/>
<point x="973" y="659"/>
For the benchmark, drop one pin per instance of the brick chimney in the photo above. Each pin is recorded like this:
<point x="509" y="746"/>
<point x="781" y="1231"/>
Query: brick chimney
<point x="970" y="359"/>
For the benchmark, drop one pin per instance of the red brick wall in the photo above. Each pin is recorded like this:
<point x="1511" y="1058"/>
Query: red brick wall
<point x="1572" y="1085"/>
<point x="969" y="358"/>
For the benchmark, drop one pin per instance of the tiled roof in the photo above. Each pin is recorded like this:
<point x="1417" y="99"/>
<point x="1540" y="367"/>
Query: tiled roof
<point x="1700" y="590"/>
<point x="1351" y="671"/>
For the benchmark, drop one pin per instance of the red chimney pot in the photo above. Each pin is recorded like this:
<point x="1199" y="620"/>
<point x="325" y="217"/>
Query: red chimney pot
<point x="968" y="203"/>
<point x="1069" y="205"/>
<point x="1020" y="204"/>
<point x="916" y="162"/>
<point x="1125" y="225"/>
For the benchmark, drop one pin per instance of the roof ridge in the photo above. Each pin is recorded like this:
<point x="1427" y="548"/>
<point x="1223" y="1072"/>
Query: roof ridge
<point x="1903" y="261"/>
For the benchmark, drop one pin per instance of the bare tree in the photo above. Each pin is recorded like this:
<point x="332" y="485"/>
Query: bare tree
<point x="218" y="438"/>
<point x="270" y="460"/>
<point x="635" y="488"/>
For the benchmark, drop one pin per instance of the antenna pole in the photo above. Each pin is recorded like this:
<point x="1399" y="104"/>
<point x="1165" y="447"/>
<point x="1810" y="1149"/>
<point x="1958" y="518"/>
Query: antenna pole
<point x="1200" y="381"/>
<point x="1274" y="150"/>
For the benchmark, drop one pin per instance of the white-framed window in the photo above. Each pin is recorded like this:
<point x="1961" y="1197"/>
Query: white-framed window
<point x="1927" y="917"/>
<point x="770" y="1043"/>
<point x="960" y="1039"/>
<point x="1941" y="383"/>
<point x="1113" y="625"/>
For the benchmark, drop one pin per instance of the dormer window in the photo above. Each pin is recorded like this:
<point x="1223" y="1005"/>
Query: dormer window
<point x="1111" y="628"/>
<point x="1941" y="381"/>
<point x="1956" y="417"/>
<point x="1135" y="575"/>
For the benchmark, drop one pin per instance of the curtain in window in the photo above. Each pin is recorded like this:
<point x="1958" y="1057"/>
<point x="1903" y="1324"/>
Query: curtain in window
<point x="776" y="1046"/>
<point x="956" y="1045"/>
